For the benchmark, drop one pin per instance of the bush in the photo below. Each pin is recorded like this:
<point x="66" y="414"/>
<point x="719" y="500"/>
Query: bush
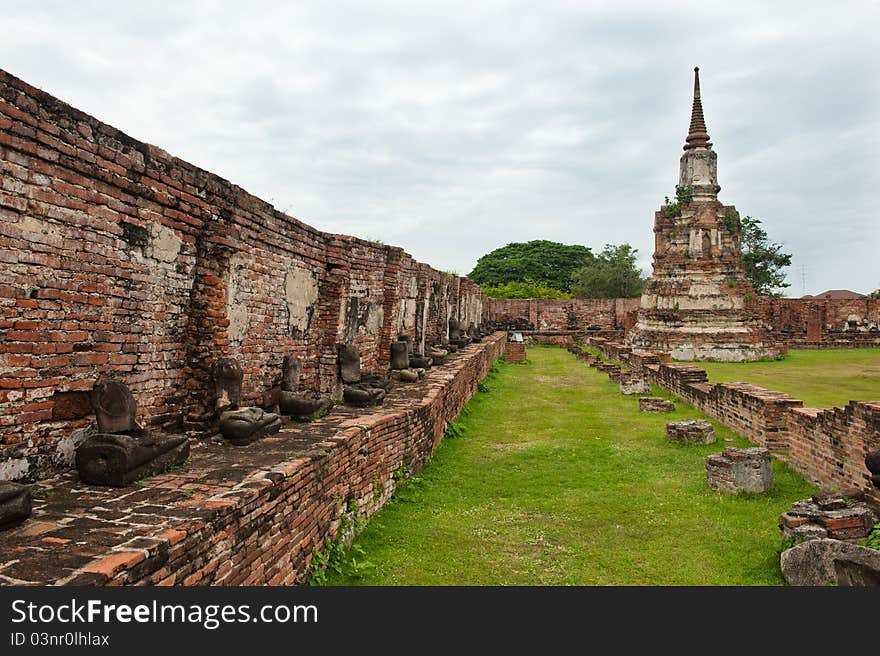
<point x="527" y="289"/>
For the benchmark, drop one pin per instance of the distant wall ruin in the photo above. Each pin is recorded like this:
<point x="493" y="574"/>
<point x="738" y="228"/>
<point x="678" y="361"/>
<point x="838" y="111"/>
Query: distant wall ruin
<point x="795" y="322"/>
<point x="826" y="446"/>
<point x="118" y="258"/>
<point x="547" y="314"/>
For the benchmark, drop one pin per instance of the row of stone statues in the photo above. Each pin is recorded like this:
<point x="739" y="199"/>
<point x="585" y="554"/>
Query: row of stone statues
<point x="122" y="452"/>
<point x="244" y="425"/>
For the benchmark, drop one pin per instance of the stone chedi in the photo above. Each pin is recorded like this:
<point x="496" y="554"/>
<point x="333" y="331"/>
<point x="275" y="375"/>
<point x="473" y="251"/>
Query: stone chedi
<point x="122" y="452"/>
<point x="300" y="405"/>
<point x="15" y="504"/>
<point x="696" y="303"/>
<point x="239" y="425"/>
<point x="358" y="390"/>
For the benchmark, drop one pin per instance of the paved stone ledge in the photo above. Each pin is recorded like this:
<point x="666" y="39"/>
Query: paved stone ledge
<point x="249" y="515"/>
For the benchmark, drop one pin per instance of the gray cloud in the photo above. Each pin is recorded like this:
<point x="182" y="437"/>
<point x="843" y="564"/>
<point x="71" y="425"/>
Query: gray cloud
<point x="454" y="128"/>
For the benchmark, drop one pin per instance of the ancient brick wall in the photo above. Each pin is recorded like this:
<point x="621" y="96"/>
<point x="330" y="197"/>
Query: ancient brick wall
<point x="514" y="352"/>
<point x="560" y="314"/>
<point x="555" y="337"/>
<point x="253" y="515"/>
<point x="795" y="322"/>
<point x="118" y="258"/>
<point x="757" y="413"/>
<point x="824" y="323"/>
<point x="827" y="446"/>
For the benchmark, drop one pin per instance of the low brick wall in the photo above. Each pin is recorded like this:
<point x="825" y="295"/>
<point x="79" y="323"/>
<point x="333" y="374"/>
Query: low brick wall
<point x="546" y="314"/>
<point x="831" y="443"/>
<point x="796" y="322"/>
<point x="822" y="323"/>
<point x="514" y="352"/>
<point x="218" y="522"/>
<point x="826" y="446"/>
<point x="551" y="337"/>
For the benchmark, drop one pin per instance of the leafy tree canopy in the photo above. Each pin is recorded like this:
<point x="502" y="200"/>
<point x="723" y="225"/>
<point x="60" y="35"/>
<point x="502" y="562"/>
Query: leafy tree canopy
<point x="613" y="274"/>
<point x="526" y="289"/>
<point x="763" y="259"/>
<point x="541" y="262"/>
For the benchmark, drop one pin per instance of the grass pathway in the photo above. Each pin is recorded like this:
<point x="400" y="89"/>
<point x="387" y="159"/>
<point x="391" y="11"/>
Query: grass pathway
<point x="558" y="479"/>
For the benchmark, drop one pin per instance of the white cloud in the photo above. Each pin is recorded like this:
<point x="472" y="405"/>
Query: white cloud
<point x="453" y="128"/>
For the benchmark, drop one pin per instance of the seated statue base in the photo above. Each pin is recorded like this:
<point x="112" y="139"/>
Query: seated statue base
<point x="119" y="459"/>
<point x="362" y="395"/>
<point x="246" y="425"/>
<point x="420" y="362"/>
<point x="375" y="381"/>
<point x="438" y="356"/>
<point x="15" y="504"/>
<point x="304" y="407"/>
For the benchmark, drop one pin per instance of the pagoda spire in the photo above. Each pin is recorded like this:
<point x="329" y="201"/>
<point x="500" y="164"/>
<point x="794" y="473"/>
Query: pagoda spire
<point x="697" y="135"/>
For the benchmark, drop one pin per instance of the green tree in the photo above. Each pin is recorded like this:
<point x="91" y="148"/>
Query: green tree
<point x="613" y="274"/>
<point x="542" y="262"/>
<point x="762" y="258"/>
<point x="526" y="289"/>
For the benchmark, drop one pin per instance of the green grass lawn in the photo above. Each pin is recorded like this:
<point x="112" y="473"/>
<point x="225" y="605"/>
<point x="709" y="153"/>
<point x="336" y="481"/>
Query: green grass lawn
<point x="558" y="479"/>
<point x="820" y="378"/>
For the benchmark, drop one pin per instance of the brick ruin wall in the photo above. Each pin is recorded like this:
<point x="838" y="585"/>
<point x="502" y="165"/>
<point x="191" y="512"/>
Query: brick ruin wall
<point x="544" y="314"/>
<point x="826" y="446"/>
<point x="795" y="322"/>
<point x="118" y="258"/>
<point x="831" y="323"/>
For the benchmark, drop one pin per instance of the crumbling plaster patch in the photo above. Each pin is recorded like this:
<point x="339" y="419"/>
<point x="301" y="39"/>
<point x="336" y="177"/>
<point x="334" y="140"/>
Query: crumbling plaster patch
<point x="300" y="295"/>
<point x="65" y="451"/>
<point x="375" y="318"/>
<point x="13" y="468"/>
<point x="164" y="244"/>
<point x="236" y="308"/>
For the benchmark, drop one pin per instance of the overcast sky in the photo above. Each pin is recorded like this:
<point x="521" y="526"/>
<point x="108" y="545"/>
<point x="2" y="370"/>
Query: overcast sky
<point x="451" y="129"/>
